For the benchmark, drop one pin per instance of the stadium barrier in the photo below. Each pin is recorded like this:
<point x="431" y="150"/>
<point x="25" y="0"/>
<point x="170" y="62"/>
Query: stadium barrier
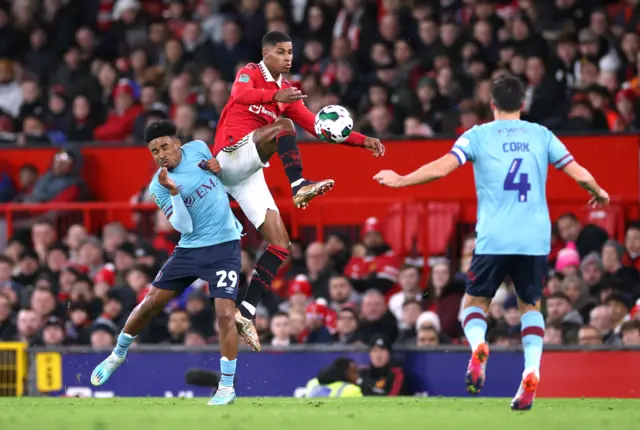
<point x="412" y="226"/>
<point x="115" y="173"/>
<point x="159" y="371"/>
<point x="13" y="368"/>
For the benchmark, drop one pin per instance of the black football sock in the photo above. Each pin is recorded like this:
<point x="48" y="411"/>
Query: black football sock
<point x="290" y="156"/>
<point x="264" y="272"/>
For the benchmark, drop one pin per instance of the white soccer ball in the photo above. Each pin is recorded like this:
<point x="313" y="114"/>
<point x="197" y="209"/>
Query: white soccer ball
<point x="333" y="124"/>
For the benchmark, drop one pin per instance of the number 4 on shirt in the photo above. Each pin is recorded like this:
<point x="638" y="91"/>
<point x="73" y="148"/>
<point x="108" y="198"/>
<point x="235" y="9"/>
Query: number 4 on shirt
<point x="522" y="186"/>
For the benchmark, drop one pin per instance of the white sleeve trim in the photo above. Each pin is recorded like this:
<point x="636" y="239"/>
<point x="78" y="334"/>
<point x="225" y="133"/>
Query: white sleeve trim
<point x="460" y="154"/>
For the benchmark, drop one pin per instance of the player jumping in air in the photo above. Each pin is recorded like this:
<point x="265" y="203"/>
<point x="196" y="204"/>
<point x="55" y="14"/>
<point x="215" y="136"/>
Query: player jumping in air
<point x="251" y="129"/>
<point x="510" y="159"/>
<point x="197" y="206"/>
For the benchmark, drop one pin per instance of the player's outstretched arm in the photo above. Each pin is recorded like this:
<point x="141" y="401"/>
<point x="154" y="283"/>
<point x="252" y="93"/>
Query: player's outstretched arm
<point x="585" y="179"/>
<point x="429" y="172"/>
<point x="169" y="200"/>
<point x="301" y="115"/>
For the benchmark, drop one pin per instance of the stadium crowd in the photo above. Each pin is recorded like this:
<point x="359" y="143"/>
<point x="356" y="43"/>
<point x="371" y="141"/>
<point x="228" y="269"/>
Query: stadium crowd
<point x="404" y="68"/>
<point x="97" y="70"/>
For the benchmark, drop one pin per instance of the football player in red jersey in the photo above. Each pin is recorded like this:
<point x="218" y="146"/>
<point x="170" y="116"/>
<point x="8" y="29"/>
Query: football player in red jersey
<point x="249" y="132"/>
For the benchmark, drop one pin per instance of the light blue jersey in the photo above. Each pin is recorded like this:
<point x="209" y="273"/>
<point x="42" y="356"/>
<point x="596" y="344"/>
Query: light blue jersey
<point x="204" y="196"/>
<point x="510" y="159"/>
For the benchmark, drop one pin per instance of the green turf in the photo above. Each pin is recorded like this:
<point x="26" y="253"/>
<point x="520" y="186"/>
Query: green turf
<point x="311" y="414"/>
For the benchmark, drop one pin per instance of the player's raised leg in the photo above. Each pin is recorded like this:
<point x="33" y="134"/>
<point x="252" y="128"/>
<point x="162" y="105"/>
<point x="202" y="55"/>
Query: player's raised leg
<point x="281" y="137"/>
<point x="483" y="280"/>
<point x="153" y="303"/>
<point x="528" y="273"/>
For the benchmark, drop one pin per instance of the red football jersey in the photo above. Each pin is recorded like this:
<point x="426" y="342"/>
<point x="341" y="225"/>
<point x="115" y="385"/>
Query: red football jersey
<point x="251" y="106"/>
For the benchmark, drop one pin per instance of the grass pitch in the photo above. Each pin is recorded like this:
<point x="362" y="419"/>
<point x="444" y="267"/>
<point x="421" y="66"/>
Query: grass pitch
<point x="314" y="414"/>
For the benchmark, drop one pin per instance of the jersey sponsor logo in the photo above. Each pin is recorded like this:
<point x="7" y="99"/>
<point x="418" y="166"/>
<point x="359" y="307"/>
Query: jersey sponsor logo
<point x="260" y="109"/>
<point x="200" y="192"/>
<point x="244" y="78"/>
<point x="155" y="199"/>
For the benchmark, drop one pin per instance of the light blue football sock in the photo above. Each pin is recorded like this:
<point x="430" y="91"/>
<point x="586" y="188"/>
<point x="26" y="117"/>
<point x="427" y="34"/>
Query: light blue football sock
<point x="124" y="341"/>
<point x="228" y="371"/>
<point x="532" y="332"/>
<point x="474" y="325"/>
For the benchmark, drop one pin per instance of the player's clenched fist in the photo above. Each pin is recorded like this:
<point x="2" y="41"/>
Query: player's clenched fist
<point x="167" y="182"/>
<point x="388" y="178"/>
<point x="213" y="166"/>
<point x="289" y="95"/>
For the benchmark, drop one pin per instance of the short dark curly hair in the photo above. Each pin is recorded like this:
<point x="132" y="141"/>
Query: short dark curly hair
<point x="158" y="129"/>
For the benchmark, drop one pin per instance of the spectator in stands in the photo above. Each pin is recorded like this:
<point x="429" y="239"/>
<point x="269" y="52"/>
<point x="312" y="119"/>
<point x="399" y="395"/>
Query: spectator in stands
<point x="620" y="307"/>
<point x="300" y="294"/>
<point x="28" y="326"/>
<point x="591" y="269"/>
<point x="62" y="183"/>
<point x="27" y="179"/>
<point x="6" y="280"/>
<point x="32" y="102"/>
<point x="576" y="290"/>
<point x="410" y="283"/>
<point x="589" y="336"/>
<point x="553" y="334"/>
<point x="28" y="268"/>
<point x="382" y="377"/>
<point x="280" y="330"/>
<point x="587" y="238"/>
<point x="8" y="329"/>
<point x="297" y="323"/>
<point x="232" y="50"/>
<point x="318" y="269"/>
<point x="347" y="326"/>
<point x="559" y="311"/>
<point x="317" y="316"/>
<point x="103" y="333"/>
<point x="43" y="236"/>
<point x="178" y="326"/>
<point x="53" y="332"/>
<point x="444" y="297"/>
<point x="632" y="245"/>
<point x="120" y="121"/>
<point x="342" y="294"/>
<point x="339" y="252"/>
<point x="411" y="310"/>
<point x="378" y="269"/>
<point x="82" y="122"/>
<point x="10" y="92"/>
<point x="568" y="260"/>
<point x="600" y="318"/>
<point x="427" y="337"/>
<point x="627" y="277"/>
<point x="376" y="319"/>
<point x="630" y="333"/>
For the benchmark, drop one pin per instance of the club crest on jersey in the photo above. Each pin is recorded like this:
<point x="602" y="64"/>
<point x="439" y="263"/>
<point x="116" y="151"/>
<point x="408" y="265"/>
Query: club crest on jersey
<point x="244" y="78"/>
<point x="155" y="199"/>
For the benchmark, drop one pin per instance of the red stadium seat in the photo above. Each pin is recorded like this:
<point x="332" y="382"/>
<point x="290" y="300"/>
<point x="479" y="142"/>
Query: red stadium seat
<point x="439" y="218"/>
<point x="610" y="219"/>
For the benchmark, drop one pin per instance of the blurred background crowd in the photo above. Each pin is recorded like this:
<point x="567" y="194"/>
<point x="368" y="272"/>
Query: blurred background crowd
<point x="100" y="70"/>
<point x="97" y="70"/>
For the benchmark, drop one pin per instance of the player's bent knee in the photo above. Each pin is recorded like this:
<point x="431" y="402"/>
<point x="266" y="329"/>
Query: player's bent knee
<point x="285" y="124"/>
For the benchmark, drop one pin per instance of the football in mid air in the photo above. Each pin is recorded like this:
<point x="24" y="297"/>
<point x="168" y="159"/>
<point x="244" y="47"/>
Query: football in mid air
<point x="333" y="124"/>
